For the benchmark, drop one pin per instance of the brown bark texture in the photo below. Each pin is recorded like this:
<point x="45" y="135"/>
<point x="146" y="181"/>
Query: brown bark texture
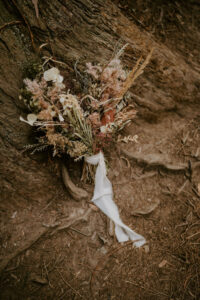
<point x="157" y="177"/>
<point x="74" y="30"/>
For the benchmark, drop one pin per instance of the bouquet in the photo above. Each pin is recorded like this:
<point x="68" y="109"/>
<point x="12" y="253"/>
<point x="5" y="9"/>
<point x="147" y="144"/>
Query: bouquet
<point x="81" y="124"/>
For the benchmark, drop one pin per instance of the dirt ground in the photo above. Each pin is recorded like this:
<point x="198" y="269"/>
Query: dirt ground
<point x="53" y="247"/>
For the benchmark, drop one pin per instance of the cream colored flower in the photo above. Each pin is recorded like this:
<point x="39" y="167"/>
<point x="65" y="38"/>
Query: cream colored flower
<point x="31" y="119"/>
<point x="69" y="101"/>
<point x="103" y="129"/>
<point x="61" y="119"/>
<point x="53" y="74"/>
<point x="108" y="128"/>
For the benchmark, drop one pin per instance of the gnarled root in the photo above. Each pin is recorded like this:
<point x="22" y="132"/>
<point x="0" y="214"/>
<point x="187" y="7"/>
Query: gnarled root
<point x="76" y="192"/>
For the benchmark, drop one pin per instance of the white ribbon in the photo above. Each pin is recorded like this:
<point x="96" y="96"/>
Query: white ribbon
<point x="102" y="198"/>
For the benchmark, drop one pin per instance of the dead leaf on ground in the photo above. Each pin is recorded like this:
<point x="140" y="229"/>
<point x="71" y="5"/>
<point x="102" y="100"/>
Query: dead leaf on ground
<point x="38" y="279"/>
<point x="93" y="207"/>
<point x="146" y="207"/>
<point x="163" y="263"/>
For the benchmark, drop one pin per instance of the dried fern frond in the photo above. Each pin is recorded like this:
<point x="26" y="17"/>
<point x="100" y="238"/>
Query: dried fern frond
<point x="35" y="147"/>
<point x="40" y="148"/>
<point x="30" y="147"/>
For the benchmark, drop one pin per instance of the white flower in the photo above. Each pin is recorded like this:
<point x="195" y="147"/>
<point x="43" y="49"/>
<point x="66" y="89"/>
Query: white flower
<point x="53" y="74"/>
<point x="103" y="129"/>
<point x="59" y="79"/>
<point x="61" y="86"/>
<point x="62" y="99"/>
<point x="68" y="101"/>
<point x="52" y="113"/>
<point x="31" y="119"/>
<point x="61" y="119"/>
<point x="108" y="128"/>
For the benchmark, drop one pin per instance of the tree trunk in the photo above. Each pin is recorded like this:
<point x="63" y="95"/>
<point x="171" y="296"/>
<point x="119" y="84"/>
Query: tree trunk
<point x="166" y="96"/>
<point x="84" y="31"/>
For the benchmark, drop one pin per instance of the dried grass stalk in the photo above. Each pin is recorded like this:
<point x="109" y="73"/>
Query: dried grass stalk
<point x="134" y="74"/>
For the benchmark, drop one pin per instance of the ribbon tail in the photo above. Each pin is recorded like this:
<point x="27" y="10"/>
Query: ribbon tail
<point x="103" y="198"/>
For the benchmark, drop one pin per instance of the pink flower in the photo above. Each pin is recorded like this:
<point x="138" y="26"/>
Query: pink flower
<point x="93" y="70"/>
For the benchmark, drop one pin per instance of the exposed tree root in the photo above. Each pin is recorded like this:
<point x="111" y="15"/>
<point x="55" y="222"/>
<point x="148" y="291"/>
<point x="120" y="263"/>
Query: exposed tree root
<point x="38" y="234"/>
<point x="5" y="261"/>
<point x="160" y="160"/>
<point x="156" y="160"/>
<point x="72" y="222"/>
<point x="76" y="192"/>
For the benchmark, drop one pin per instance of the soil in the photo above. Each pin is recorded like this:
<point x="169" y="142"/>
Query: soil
<point x="53" y="247"/>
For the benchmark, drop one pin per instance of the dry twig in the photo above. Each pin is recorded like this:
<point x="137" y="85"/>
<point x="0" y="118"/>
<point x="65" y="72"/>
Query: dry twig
<point x="69" y="285"/>
<point x="10" y="24"/>
<point x="47" y="59"/>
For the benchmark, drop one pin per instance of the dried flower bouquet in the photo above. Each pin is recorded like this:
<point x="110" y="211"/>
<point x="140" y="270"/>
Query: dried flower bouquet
<point x="81" y="124"/>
